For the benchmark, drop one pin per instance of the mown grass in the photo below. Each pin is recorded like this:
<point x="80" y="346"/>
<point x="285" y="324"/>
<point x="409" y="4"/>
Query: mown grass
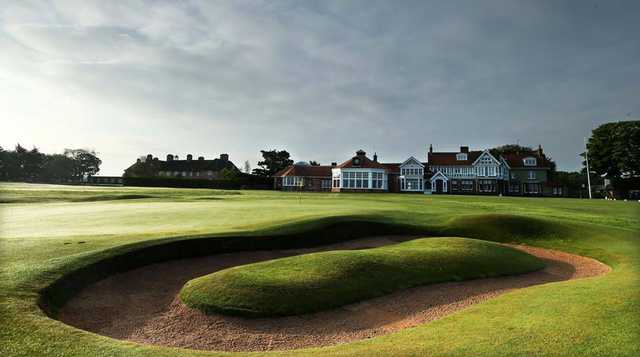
<point x="40" y="242"/>
<point x="319" y="281"/>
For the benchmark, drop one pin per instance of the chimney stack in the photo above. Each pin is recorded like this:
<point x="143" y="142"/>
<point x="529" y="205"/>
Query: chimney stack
<point x="430" y="148"/>
<point x="224" y="157"/>
<point x="540" y="152"/>
<point x="189" y="157"/>
<point x="375" y="157"/>
<point x="361" y="153"/>
<point x="334" y="164"/>
<point x="200" y="158"/>
<point x="149" y="157"/>
<point x="169" y="157"/>
<point x="464" y="149"/>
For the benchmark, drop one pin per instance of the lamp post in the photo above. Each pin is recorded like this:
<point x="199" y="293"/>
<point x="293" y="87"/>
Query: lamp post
<point x="586" y="158"/>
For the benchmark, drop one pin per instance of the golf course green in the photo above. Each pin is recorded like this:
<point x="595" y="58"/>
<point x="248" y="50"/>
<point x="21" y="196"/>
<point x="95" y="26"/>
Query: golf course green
<point x="318" y="281"/>
<point x="55" y="240"/>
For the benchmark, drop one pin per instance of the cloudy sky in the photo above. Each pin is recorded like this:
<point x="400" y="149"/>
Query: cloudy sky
<point x="320" y="79"/>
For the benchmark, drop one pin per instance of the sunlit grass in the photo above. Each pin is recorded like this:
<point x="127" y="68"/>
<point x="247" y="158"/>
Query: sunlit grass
<point x="48" y="229"/>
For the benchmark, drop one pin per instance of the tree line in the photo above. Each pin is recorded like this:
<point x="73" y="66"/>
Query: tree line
<point x="21" y="164"/>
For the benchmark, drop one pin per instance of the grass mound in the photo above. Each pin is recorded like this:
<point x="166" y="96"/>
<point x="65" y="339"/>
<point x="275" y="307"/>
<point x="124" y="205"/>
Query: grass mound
<point x="318" y="281"/>
<point x="503" y="227"/>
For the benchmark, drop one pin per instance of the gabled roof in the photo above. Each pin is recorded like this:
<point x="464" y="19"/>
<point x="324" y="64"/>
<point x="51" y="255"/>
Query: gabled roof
<point x="305" y="170"/>
<point x="407" y="161"/>
<point x="517" y="160"/>
<point x="439" y="174"/>
<point x="362" y="162"/>
<point x="486" y="152"/>
<point x="449" y="158"/>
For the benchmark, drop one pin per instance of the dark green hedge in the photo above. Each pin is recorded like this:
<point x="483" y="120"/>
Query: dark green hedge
<point x="242" y="182"/>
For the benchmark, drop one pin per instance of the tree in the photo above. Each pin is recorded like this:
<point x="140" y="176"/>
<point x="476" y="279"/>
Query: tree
<point x="273" y="162"/>
<point x="21" y="164"/>
<point x="33" y="163"/>
<point x="4" y="161"/>
<point x="86" y="162"/>
<point x="509" y="149"/>
<point x="228" y="174"/>
<point x="247" y="167"/>
<point x="519" y="149"/>
<point x="57" y="167"/>
<point x="614" y="149"/>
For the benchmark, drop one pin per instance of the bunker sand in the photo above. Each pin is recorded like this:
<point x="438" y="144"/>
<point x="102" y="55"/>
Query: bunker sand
<point x="142" y="305"/>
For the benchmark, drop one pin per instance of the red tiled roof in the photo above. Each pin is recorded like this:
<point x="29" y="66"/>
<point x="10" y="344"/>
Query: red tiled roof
<point x="392" y="168"/>
<point x="305" y="170"/>
<point x="449" y="158"/>
<point x="365" y="162"/>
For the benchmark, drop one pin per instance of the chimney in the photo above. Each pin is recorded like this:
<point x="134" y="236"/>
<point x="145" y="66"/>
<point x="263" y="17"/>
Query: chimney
<point x="189" y="157"/>
<point x="149" y="157"/>
<point x="334" y="164"/>
<point x="540" y="152"/>
<point x="361" y="153"/>
<point x="464" y="149"/>
<point x="430" y="148"/>
<point x="169" y="157"/>
<point x="224" y="157"/>
<point x="375" y="157"/>
<point x="200" y="158"/>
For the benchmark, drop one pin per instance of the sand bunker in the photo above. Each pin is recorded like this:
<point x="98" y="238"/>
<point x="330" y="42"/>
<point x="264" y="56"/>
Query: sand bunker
<point x="142" y="305"/>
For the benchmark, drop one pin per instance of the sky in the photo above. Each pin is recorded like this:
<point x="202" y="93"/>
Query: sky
<point x="320" y="79"/>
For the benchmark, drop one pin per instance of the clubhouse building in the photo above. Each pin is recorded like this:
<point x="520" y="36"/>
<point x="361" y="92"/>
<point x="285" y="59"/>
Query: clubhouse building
<point x="461" y="172"/>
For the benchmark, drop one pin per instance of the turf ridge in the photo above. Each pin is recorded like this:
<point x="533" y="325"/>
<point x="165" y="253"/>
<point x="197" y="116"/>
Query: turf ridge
<point x="319" y="281"/>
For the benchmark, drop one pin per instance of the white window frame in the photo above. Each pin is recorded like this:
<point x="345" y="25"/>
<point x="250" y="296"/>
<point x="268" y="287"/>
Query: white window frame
<point x="530" y="161"/>
<point x="292" y="181"/>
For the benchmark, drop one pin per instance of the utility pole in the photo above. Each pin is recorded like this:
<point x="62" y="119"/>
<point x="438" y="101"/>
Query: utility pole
<point x="586" y="158"/>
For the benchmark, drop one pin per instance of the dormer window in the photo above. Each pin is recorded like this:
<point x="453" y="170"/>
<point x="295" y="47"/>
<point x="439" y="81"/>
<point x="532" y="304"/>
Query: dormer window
<point x="530" y="161"/>
<point x="461" y="156"/>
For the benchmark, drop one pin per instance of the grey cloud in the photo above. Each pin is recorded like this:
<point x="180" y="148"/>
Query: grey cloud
<point x="325" y="78"/>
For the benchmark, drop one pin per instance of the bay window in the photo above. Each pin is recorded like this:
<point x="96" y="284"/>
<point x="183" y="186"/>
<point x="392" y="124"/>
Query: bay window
<point x="291" y="181"/>
<point x="357" y="179"/>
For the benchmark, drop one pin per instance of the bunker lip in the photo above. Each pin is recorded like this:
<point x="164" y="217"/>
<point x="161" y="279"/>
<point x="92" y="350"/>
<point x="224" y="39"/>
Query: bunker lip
<point x="141" y="305"/>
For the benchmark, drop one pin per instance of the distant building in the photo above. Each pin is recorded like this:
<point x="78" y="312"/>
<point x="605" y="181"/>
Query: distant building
<point x="461" y="172"/>
<point x="480" y="172"/>
<point x="173" y="168"/>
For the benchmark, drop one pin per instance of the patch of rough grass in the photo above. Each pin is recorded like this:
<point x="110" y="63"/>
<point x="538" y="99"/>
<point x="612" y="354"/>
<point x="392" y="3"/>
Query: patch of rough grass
<point x="319" y="281"/>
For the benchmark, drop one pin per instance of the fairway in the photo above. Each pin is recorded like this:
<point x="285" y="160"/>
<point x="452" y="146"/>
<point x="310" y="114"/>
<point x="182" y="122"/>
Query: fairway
<point x="58" y="239"/>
